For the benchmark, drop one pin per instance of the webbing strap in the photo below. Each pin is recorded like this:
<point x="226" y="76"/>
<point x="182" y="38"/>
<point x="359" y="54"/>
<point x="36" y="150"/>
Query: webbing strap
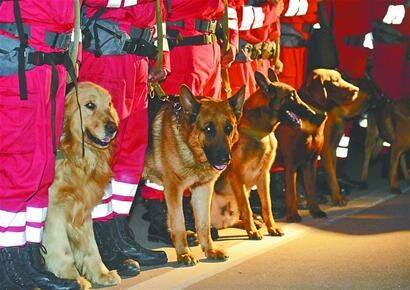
<point x="21" y="51"/>
<point x="224" y="72"/>
<point x="160" y="39"/>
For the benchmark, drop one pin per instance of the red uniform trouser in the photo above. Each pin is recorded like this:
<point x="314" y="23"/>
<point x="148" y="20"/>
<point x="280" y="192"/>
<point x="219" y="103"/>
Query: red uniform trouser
<point x="294" y="65"/>
<point x="26" y="153"/>
<point x="199" y="68"/>
<point x="242" y="73"/>
<point x="391" y="70"/>
<point x="125" y="77"/>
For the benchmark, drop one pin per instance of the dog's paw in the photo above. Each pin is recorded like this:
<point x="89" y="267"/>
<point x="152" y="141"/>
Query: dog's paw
<point x="395" y="190"/>
<point x="188" y="259"/>
<point x="275" y="231"/>
<point x="258" y="223"/>
<point x="109" y="279"/>
<point x="83" y="283"/>
<point x="217" y="254"/>
<point x="318" y="214"/>
<point x="340" y="201"/>
<point x="293" y="218"/>
<point x="255" y="235"/>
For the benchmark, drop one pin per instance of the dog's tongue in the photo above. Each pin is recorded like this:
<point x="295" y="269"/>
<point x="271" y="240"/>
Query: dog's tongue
<point x="220" y="167"/>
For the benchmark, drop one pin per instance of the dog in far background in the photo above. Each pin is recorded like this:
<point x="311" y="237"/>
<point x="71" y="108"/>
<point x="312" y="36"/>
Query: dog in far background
<point x="78" y="187"/>
<point x="389" y="121"/>
<point x="326" y="92"/>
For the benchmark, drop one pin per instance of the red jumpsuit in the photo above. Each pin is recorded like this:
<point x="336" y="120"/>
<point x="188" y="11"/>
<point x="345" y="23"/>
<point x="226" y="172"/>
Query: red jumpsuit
<point x="256" y="24"/>
<point x="300" y="15"/>
<point x="26" y="136"/>
<point x="390" y="63"/>
<point x="197" y="66"/>
<point x="125" y="77"/>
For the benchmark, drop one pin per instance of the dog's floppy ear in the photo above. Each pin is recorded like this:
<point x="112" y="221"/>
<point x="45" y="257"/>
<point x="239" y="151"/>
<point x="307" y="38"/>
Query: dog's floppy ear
<point x="237" y="102"/>
<point x="273" y="77"/>
<point x="262" y="82"/>
<point x="190" y="105"/>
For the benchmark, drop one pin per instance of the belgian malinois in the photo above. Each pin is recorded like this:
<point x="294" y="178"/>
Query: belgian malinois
<point x="190" y="146"/>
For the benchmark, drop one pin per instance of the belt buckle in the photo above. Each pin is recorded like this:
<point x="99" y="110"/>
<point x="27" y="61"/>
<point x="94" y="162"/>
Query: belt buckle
<point x="209" y="38"/>
<point x="38" y="58"/>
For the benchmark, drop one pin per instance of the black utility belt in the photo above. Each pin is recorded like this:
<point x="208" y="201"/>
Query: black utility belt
<point x="201" y="25"/>
<point x="52" y="39"/>
<point x="203" y="39"/>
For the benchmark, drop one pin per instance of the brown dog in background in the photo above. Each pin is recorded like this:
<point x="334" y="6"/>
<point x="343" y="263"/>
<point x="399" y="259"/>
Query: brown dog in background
<point x="323" y="91"/>
<point x="390" y="121"/>
<point x="254" y="154"/>
<point x="78" y="187"/>
<point x="189" y="148"/>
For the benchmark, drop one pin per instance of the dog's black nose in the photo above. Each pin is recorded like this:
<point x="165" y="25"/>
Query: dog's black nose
<point x="110" y="128"/>
<point x="224" y="157"/>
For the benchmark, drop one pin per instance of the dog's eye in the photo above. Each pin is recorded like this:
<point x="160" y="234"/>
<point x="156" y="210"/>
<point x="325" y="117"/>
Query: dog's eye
<point x="210" y="130"/>
<point x="228" y="129"/>
<point x="91" y="106"/>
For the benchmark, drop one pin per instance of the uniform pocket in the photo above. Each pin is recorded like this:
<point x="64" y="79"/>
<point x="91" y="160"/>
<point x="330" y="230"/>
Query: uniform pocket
<point x="17" y="127"/>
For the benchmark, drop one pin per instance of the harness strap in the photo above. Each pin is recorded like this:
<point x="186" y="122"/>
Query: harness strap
<point x="201" y="25"/>
<point x="22" y="48"/>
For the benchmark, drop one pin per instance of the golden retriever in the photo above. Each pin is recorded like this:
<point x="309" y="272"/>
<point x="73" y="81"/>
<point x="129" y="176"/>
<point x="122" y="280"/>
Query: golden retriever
<point x="78" y="187"/>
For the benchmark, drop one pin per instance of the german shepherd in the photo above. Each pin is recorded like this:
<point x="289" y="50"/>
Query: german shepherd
<point x="190" y="146"/>
<point x="78" y="187"/>
<point x="390" y="121"/>
<point x="300" y="148"/>
<point x="254" y="154"/>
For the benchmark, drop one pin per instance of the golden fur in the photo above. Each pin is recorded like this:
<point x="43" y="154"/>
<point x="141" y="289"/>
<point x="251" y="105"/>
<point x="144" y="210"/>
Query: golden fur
<point x="188" y="150"/>
<point x="78" y="187"/>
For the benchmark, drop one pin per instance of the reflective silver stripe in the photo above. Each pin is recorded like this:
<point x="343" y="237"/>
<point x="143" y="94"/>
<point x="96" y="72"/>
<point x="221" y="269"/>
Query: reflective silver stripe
<point x="297" y="8"/>
<point x="232" y="19"/>
<point x="130" y="3"/>
<point x="368" y="41"/>
<point x="259" y="17"/>
<point x="247" y="18"/>
<point x="114" y="3"/>
<point x="395" y="14"/>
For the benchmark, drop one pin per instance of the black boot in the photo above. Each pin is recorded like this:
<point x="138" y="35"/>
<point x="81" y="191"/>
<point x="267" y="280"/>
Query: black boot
<point x="111" y="254"/>
<point x="158" y="228"/>
<point x="129" y="246"/>
<point x="12" y="271"/>
<point x="34" y="265"/>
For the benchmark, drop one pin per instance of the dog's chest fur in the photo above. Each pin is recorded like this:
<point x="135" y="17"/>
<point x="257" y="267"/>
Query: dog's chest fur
<point x="173" y="152"/>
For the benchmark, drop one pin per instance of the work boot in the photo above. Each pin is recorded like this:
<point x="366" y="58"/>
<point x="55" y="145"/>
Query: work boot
<point x="111" y="254"/>
<point x="125" y="239"/>
<point x="34" y="265"/>
<point x="12" y="272"/>
<point x="158" y="228"/>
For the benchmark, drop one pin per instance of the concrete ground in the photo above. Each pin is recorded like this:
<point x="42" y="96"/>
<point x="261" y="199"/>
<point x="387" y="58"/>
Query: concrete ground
<point x="365" y="245"/>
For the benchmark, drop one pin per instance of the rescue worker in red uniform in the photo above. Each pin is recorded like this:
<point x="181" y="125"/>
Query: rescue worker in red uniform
<point x="258" y="35"/>
<point x="34" y="36"/>
<point x="296" y="23"/>
<point x="195" y="57"/>
<point x="119" y="39"/>
<point x="391" y="54"/>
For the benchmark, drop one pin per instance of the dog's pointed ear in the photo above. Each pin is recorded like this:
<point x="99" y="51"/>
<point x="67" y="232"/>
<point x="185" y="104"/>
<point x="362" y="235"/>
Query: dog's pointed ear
<point x="188" y="102"/>
<point x="236" y="102"/>
<point x="262" y="82"/>
<point x="272" y="75"/>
